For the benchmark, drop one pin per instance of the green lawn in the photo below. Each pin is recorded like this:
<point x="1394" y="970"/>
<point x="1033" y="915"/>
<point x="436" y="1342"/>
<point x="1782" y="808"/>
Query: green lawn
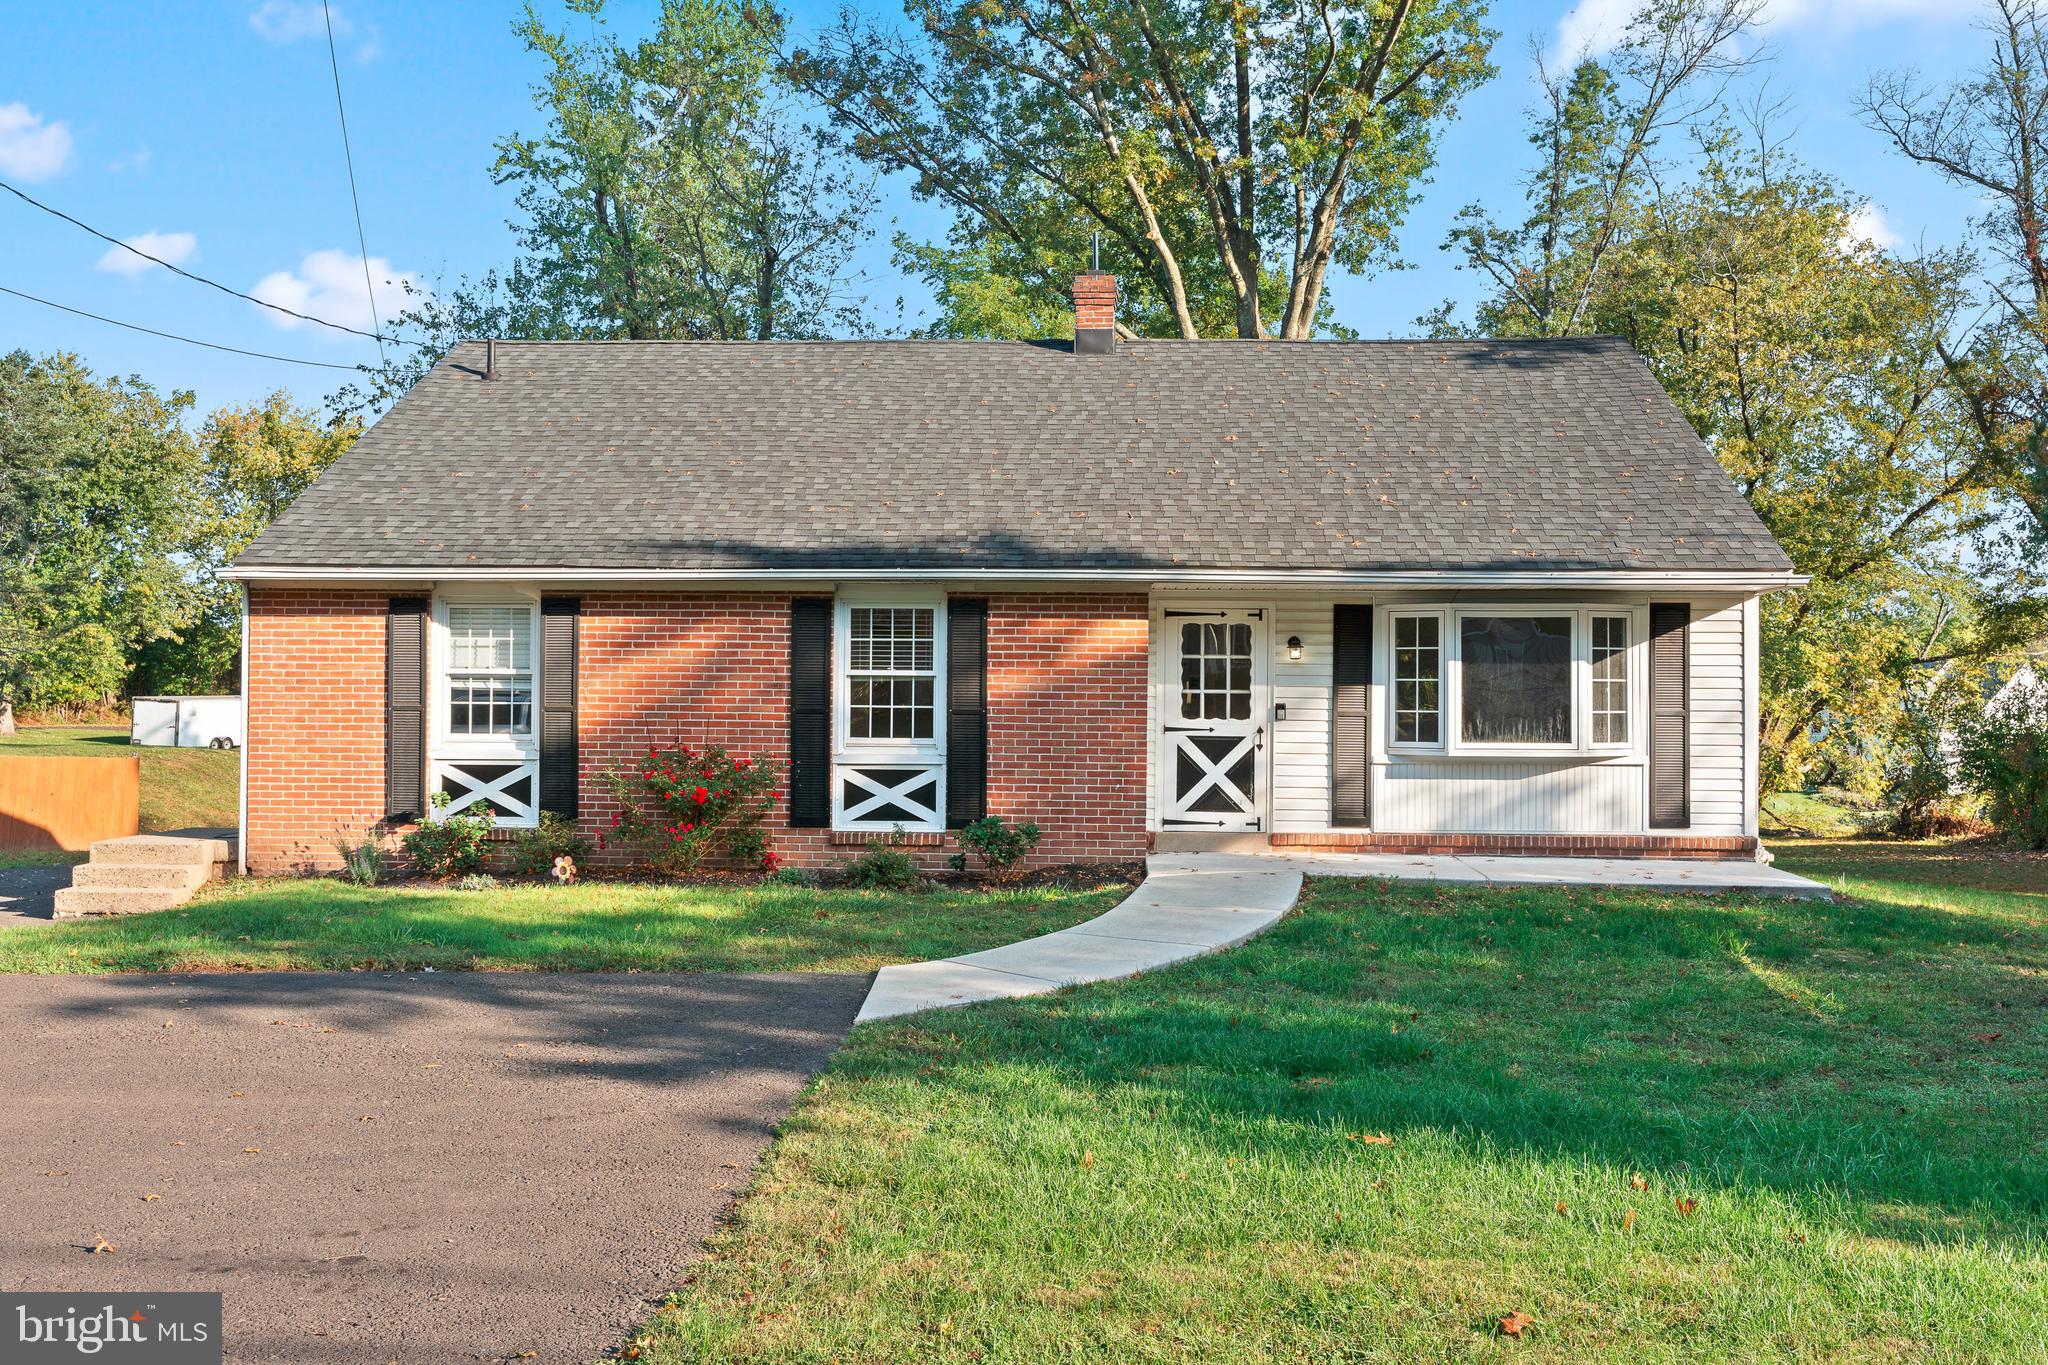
<point x="181" y="788"/>
<point x="322" y="924"/>
<point x="1797" y="813"/>
<point x="1665" y="1128"/>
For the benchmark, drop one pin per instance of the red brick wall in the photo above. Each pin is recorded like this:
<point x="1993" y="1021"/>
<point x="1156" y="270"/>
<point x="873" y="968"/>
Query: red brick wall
<point x="1067" y="678"/>
<point x="314" y="752"/>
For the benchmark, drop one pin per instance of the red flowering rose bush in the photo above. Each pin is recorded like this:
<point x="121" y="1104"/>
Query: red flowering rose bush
<point x="679" y="805"/>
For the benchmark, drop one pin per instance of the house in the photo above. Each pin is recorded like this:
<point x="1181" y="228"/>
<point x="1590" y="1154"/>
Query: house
<point x="1432" y="595"/>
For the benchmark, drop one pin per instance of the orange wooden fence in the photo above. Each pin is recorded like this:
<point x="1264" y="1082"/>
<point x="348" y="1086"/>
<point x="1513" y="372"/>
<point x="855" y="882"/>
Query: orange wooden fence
<point x="67" y="802"/>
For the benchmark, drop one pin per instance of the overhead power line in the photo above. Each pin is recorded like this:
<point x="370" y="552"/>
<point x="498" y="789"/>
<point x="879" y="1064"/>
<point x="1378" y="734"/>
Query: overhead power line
<point x="173" y="336"/>
<point x="348" y="158"/>
<point x="197" y="279"/>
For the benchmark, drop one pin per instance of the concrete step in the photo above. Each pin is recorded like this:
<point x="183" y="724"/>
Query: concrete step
<point x="136" y="876"/>
<point x="1210" y="841"/>
<point x="85" y="902"/>
<point x="162" y="850"/>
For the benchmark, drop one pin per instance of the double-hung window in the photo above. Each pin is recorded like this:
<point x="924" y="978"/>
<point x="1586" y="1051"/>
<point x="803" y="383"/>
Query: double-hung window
<point x="890" y="765"/>
<point x="1512" y="680"/>
<point x="485" y="752"/>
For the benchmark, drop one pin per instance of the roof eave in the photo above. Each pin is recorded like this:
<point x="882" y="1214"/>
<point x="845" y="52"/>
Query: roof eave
<point x="1755" y="581"/>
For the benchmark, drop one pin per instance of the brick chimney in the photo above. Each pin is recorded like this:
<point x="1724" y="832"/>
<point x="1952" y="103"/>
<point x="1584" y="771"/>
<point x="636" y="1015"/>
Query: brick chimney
<point x="1094" y="312"/>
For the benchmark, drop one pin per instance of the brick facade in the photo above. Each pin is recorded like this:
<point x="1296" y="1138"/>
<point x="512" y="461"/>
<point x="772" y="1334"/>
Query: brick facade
<point x="314" y="751"/>
<point x="1066" y="685"/>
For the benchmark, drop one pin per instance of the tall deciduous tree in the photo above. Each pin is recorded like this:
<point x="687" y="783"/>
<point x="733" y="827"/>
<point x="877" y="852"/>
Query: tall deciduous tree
<point x="674" y="192"/>
<point x="1989" y="135"/>
<point x="1597" y="132"/>
<point x="96" y="514"/>
<point x="1231" y="153"/>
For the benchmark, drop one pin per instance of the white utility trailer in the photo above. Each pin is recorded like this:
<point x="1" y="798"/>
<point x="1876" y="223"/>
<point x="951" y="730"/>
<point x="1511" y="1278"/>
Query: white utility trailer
<point x="187" y="722"/>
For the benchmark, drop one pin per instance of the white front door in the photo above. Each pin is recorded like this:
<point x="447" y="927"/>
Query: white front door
<point x="1215" y="693"/>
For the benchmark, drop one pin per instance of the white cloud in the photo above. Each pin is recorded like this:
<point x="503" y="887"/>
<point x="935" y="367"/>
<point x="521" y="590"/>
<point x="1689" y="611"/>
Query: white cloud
<point x="1596" y="26"/>
<point x="30" y="148"/>
<point x="175" y="247"/>
<point x="1867" y="224"/>
<point x="288" y="21"/>
<point x="329" y="285"/>
<point x="137" y="160"/>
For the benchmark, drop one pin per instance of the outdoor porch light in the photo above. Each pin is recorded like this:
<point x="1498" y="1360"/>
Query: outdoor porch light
<point x="1294" y="649"/>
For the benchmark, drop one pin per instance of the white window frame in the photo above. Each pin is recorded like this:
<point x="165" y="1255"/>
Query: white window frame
<point x="446" y="750"/>
<point x="1443" y="680"/>
<point x="1451" y="688"/>
<point x="851" y="753"/>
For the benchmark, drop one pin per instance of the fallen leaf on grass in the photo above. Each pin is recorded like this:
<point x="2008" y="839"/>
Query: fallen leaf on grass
<point x="1088" y="1157"/>
<point x="1987" y="1038"/>
<point x="1561" y="1207"/>
<point x="1372" y="1139"/>
<point x="1628" y="1221"/>
<point x="1515" y="1323"/>
<point x="1686" y="1207"/>
<point x="1639" y="1181"/>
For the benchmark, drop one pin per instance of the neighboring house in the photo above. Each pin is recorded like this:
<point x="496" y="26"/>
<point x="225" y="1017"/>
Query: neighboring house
<point x="1432" y="595"/>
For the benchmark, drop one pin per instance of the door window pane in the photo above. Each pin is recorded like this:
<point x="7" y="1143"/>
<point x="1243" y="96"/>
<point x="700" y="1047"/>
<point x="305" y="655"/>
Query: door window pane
<point x="1215" y="672"/>
<point x="1517" y="679"/>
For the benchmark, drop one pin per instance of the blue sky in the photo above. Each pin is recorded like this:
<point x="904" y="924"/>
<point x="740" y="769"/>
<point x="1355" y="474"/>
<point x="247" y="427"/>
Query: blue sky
<point x="212" y="125"/>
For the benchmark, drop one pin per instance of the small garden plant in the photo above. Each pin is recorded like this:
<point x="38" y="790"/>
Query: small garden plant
<point x="679" y="805"/>
<point x="1000" y="847"/>
<point x="450" y="845"/>
<point x="361" y="862"/>
<point x="537" y="852"/>
<point x="885" y="866"/>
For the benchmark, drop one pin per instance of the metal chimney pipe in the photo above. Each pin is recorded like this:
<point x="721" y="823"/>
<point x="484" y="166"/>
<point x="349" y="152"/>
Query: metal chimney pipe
<point x="490" y="357"/>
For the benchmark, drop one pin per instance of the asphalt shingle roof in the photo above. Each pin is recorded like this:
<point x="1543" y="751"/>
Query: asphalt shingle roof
<point x="1013" y="455"/>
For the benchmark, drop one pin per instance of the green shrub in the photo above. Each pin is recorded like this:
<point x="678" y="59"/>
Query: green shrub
<point x="444" y="845"/>
<point x="477" y="881"/>
<point x="534" y="850"/>
<point x="361" y="861"/>
<point x="884" y="867"/>
<point x="999" y="846"/>
<point x="679" y="804"/>
<point x="2004" y="759"/>
<point x="794" y="876"/>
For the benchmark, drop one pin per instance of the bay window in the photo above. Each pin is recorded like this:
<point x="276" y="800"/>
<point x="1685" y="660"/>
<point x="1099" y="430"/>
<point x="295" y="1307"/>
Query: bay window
<point x="1512" y="680"/>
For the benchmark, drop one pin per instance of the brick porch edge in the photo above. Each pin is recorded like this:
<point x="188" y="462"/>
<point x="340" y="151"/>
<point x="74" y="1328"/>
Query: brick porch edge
<point x="1718" y="846"/>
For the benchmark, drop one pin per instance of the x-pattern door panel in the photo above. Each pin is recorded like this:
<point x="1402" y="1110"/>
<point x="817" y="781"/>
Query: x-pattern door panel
<point x="1214" y="733"/>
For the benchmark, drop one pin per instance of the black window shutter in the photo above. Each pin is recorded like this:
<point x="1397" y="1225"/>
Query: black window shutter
<point x="1670" y="715"/>
<point x="966" y="710"/>
<point x="1351" y="676"/>
<point x="810" y="712"/>
<point x="405" y="709"/>
<point x="558" y="758"/>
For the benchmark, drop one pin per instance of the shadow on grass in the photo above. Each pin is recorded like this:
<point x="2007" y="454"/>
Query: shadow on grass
<point x="1881" y="1057"/>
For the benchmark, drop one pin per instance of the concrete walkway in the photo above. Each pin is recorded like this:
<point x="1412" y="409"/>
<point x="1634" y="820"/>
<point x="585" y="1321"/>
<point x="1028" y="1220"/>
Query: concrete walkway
<point x="1195" y="903"/>
<point x="1700" y="877"/>
<point x="1185" y="907"/>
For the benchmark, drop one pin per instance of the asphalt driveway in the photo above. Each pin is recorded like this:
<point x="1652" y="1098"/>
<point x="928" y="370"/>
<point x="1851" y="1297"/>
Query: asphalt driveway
<point x="394" y="1167"/>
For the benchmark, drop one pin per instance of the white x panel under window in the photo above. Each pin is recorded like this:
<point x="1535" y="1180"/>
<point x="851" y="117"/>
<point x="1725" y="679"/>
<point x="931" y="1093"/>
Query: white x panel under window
<point x="883" y="797"/>
<point x="506" y="789"/>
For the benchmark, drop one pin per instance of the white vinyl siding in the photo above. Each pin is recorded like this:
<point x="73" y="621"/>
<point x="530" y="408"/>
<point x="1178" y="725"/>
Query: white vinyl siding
<point x="1301" y="743"/>
<point x="1718" y="733"/>
<point x="1600" y="790"/>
